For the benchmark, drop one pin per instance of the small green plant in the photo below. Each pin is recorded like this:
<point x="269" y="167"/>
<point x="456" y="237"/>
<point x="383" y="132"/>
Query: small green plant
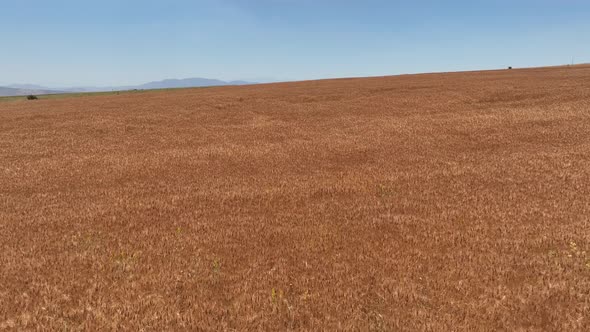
<point x="32" y="97"/>
<point x="276" y="295"/>
<point x="125" y="261"/>
<point x="216" y="266"/>
<point x="383" y="190"/>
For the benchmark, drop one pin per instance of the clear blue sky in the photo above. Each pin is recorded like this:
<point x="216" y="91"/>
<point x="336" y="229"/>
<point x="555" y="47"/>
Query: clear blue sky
<point x="118" y="42"/>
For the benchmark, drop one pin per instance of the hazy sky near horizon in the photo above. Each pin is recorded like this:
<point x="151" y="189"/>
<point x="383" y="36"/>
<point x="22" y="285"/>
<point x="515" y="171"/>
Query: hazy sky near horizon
<point x="120" y="42"/>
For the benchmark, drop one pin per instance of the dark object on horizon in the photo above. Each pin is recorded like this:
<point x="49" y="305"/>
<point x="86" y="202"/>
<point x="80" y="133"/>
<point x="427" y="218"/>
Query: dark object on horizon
<point x="509" y="67"/>
<point x="32" y="97"/>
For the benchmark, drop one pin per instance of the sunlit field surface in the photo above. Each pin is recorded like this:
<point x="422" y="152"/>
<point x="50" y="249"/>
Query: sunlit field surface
<point x="439" y="202"/>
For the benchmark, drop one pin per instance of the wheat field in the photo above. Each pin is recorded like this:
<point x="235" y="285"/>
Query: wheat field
<point x="434" y="202"/>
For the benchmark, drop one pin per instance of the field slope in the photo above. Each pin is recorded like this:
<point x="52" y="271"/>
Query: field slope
<point x="455" y="201"/>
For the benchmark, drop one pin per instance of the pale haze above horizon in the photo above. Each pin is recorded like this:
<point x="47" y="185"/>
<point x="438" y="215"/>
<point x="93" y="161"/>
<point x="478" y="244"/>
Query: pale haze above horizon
<point x="124" y="42"/>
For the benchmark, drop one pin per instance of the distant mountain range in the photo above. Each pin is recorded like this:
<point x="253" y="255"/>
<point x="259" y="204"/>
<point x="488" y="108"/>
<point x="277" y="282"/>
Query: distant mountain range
<point x="185" y="83"/>
<point x="8" y="92"/>
<point x="27" y="89"/>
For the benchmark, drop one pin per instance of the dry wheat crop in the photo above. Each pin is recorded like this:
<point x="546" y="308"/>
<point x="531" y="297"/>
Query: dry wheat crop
<point x="438" y="202"/>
